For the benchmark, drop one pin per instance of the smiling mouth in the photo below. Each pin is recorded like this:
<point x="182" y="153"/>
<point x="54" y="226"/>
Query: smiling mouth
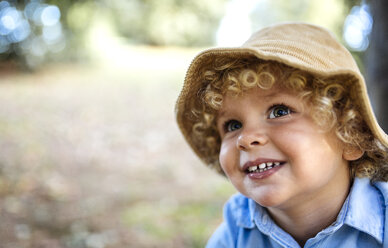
<point x="263" y="167"/>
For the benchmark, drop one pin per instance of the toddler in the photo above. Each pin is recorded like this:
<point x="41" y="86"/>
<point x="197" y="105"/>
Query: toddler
<point x="287" y="119"/>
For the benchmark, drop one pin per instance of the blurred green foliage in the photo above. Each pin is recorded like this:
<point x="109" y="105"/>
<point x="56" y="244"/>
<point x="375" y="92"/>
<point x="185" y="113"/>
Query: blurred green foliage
<point x="330" y="14"/>
<point x="168" y="22"/>
<point x="188" y="222"/>
<point x="350" y="3"/>
<point x="191" y="218"/>
<point x="151" y="22"/>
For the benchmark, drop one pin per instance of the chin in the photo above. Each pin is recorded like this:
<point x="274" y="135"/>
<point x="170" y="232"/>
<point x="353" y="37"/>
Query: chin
<point x="266" y="202"/>
<point x="266" y="199"/>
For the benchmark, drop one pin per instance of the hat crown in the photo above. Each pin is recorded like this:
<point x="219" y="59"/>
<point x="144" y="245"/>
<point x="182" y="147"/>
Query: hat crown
<point x="302" y="45"/>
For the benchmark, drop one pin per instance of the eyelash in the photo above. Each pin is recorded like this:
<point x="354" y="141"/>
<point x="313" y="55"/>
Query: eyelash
<point x="226" y="125"/>
<point x="281" y="105"/>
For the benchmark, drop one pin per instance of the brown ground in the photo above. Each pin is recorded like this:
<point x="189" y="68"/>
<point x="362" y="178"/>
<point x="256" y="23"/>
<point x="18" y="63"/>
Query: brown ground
<point x="90" y="156"/>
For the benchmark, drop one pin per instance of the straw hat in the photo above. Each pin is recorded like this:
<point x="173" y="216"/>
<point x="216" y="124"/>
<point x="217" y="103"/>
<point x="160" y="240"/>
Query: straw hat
<point x="299" y="45"/>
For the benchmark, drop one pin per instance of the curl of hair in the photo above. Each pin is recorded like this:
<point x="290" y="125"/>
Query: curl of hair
<point x="213" y="99"/>
<point x="248" y="78"/>
<point x="297" y="81"/>
<point x="322" y="114"/>
<point x="266" y="80"/>
<point x="234" y="86"/>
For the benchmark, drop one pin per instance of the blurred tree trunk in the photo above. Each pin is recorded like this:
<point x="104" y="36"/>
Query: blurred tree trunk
<point x="376" y="61"/>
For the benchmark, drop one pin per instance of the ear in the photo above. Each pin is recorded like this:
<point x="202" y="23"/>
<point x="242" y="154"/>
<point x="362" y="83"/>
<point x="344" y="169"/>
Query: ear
<point x="351" y="153"/>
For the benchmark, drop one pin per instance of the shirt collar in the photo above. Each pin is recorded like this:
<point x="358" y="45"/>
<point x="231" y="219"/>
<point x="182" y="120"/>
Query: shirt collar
<point x="366" y="209"/>
<point x="362" y="210"/>
<point x="246" y="213"/>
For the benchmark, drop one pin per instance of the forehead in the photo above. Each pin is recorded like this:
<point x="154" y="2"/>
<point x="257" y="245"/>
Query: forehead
<point x="261" y="97"/>
<point x="276" y="91"/>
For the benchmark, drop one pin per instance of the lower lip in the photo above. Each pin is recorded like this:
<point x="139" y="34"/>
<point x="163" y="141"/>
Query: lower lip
<point x="264" y="174"/>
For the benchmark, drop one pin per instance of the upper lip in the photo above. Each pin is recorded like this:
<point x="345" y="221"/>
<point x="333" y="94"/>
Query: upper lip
<point x="259" y="161"/>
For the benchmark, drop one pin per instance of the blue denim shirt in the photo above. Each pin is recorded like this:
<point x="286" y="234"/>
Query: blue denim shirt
<point x="360" y="223"/>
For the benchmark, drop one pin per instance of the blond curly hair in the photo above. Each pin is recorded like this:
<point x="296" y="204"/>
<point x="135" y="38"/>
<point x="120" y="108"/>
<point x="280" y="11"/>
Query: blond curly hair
<point x="331" y="99"/>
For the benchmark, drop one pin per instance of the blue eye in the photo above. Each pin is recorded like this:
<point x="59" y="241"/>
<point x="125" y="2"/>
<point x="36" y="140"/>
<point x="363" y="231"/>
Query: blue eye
<point x="279" y="111"/>
<point x="232" y="125"/>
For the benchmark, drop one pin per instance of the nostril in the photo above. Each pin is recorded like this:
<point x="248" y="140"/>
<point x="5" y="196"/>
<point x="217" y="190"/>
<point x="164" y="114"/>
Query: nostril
<point x="247" y="141"/>
<point x="247" y="146"/>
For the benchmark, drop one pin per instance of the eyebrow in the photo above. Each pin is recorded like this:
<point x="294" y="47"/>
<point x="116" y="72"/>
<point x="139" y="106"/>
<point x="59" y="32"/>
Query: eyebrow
<point x="280" y="95"/>
<point x="273" y="94"/>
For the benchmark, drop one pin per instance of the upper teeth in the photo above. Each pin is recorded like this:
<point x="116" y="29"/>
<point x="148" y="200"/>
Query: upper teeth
<point x="263" y="166"/>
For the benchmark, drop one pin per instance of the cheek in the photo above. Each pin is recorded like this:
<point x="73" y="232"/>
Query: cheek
<point x="290" y="141"/>
<point x="227" y="156"/>
<point x="311" y="153"/>
<point x="224" y="153"/>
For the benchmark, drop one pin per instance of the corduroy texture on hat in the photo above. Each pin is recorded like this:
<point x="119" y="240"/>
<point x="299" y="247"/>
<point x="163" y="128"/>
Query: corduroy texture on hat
<point x="300" y="45"/>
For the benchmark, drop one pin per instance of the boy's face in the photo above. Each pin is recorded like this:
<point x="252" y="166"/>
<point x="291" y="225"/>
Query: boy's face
<point x="274" y="153"/>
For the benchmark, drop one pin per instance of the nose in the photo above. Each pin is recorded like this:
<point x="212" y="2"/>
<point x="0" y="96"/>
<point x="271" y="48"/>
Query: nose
<point x="251" y="139"/>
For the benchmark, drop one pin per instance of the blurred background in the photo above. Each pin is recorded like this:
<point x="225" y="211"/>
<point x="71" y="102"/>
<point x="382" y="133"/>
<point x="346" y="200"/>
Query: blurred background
<point x="90" y="155"/>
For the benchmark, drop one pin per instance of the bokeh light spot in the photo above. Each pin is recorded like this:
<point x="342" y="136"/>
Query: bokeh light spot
<point x="4" y="4"/>
<point x="235" y="26"/>
<point x="50" y="15"/>
<point x="357" y="28"/>
<point x="8" y="22"/>
<point x="9" y="18"/>
<point x="37" y="47"/>
<point x="52" y="34"/>
<point x="30" y="9"/>
<point x="21" y="32"/>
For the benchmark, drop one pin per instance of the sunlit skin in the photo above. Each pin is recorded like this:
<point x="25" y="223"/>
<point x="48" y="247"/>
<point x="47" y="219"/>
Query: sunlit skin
<point x="305" y="193"/>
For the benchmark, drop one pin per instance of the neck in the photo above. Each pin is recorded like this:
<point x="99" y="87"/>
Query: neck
<point x="304" y="221"/>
